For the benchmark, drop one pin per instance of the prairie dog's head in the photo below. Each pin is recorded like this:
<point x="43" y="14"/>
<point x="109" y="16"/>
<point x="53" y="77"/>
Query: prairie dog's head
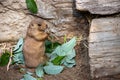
<point x="38" y="25"/>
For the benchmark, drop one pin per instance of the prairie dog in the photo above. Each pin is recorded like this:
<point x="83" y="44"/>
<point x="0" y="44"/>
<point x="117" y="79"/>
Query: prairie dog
<point x="34" y="45"/>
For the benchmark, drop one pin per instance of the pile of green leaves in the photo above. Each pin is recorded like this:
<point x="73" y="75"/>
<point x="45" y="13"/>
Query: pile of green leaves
<point x="60" y="56"/>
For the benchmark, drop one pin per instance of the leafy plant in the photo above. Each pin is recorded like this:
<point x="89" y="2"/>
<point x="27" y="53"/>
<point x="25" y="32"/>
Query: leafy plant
<point x="63" y="55"/>
<point x="18" y="55"/>
<point x="32" y="7"/>
<point x="50" y="46"/>
<point x="4" y="59"/>
<point x="60" y="56"/>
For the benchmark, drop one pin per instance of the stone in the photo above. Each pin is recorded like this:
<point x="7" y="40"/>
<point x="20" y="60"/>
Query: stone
<point x="104" y="47"/>
<point x="15" y="19"/>
<point x="46" y="10"/>
<point x="13" y="25"/>
<point x="102" y="7"/>
<point x="60" y="19"/>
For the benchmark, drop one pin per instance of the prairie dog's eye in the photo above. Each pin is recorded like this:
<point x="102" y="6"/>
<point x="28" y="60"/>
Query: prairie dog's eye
<point x="39" y="24"/>
<point x="32" y="25"/>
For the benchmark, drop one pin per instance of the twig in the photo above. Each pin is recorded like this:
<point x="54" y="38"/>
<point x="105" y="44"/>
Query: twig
<point x="85" y="45"/>
<point x="4" y="48"/>
<point x="10" y="59"/>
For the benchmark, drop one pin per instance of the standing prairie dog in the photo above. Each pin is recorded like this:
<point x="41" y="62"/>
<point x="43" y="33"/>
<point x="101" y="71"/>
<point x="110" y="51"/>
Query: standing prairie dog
<point x="34" y="45"/>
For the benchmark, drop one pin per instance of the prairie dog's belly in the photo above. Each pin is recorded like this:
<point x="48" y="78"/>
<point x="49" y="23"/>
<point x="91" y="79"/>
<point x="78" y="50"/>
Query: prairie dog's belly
<point x="33" y="52"/>
<point x="32" y="46"/>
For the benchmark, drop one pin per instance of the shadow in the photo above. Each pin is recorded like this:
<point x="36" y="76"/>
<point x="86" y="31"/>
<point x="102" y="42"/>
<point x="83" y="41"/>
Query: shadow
<point x="82" y="23"/>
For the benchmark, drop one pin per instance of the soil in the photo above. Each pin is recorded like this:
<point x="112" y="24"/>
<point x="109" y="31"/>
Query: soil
<point x="79" y="72"/>
<point x="76" y="73"/>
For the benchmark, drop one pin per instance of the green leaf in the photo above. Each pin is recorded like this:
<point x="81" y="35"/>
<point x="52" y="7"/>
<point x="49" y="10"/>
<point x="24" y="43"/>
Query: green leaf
<point x="59" y="51"/>
<point x="57" y="60"/>
<point x="39" y="71"/>
<point x="52" y="57"/>
<point x="69" y="64"/>
<point x="19" y="45"/>
<point x="50" y="46"/>
<point x="71" y="54"/>
<point x="70" y="61"/>
<point x="28" y="77"/>
<point x="32" y="7"/>
<point x="64" y="49"/>
<point x="4" y="59"/>
<point x="18" y="58"/>
<point x="69" y="45"/>
<point x="64" y="54"/>
<point x="53" y="69"/>
<point x="18" y="55"/>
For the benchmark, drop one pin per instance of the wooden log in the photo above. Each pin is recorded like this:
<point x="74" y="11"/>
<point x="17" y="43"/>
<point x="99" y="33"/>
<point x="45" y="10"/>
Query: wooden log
<point x="104" y="47"/>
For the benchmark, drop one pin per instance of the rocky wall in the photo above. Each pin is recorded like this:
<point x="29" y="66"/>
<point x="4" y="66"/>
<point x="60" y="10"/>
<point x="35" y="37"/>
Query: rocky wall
<point x="104" y="37"/>
<point x="59" y="15"/>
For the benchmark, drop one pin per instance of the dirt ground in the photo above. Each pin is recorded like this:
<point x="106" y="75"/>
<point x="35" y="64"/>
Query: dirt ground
<point x="80" y="72"/>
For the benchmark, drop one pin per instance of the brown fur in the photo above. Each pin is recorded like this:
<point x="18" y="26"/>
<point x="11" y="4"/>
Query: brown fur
<point x="34" y="45"/>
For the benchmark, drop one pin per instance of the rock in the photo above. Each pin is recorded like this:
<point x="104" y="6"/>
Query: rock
<point x="104" y="47"/>
<point x="46" y="10"/>
<point x="13" y="25"/>
<point x="59" y="15"/>
<point x="2" y="0"/>
<point x="14" y="4"/>
<point x="103" y="7"/>
<point x="15" y="19"/>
